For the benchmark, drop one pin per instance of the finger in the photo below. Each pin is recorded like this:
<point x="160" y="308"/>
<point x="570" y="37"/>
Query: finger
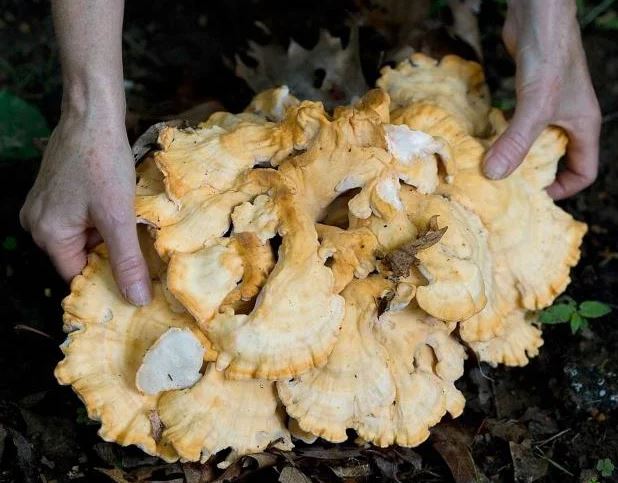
<point x="93" y="238"/>
<point x="582" y="162"/>
<point x="68" y="255"/>
<point x="23" y="219"/>
<point x="513" y="145"/>
<point x="130" y="270"/>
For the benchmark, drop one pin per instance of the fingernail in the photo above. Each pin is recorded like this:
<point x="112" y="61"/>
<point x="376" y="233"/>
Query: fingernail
<point x="138" y="294"/>
<point x="494" y="168"/>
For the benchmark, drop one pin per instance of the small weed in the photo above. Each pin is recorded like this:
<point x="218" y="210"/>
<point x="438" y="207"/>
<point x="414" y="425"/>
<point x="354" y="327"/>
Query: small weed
<point x="567" y="310"/>
<point x="9" y="243"/>
<point x="606" y="467"/>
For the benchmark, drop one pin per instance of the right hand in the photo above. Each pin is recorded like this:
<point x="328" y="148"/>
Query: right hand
<point x="85" y="191"/>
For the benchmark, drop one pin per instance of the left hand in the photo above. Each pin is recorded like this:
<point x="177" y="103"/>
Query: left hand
<point x="553" y="86"/>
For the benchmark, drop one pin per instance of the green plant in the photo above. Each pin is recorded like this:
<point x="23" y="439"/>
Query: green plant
<point x="606" y="467"/>
<point x="20" y="123"/>
<point x="567" y="310"/>
<point x="592" y="14"/>
<point x="9" y="243"/>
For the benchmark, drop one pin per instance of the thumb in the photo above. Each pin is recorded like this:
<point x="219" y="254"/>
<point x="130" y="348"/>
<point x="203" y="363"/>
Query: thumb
<point x="510" y="149"/>
<point x="128" y="265"/>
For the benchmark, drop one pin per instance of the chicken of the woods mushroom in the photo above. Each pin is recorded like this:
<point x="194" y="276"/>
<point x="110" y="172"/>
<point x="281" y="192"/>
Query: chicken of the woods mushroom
<point x="316" y="272"/>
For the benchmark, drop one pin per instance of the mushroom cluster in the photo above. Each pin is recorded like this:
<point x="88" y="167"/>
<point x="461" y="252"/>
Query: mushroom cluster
<point x="317" y="272"/>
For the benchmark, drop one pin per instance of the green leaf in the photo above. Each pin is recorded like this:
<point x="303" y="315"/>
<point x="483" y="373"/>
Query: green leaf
<point x="606" y="467"/>
<point x="566" y="299"/>
<point x="436" y="6"/>
<point x="577" y="322"/>
<point x="608" y="21"/>
<point x="556" y="314"/>
<point x="9" y="243"/>
<point x="504" y="104"/>
<point x="592" y="309"/>
<point x="20" y="123"/>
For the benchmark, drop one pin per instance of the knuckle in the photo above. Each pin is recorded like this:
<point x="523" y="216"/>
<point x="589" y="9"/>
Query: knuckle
<point x="115" y="215"/>
<point x="590" y="176"/>
<point x="46" y="230"/>
<point x="541" y="100"/>
<point x="516" y="146"/>
<point x="129" y="266"/>
<point x="24" y="218"/>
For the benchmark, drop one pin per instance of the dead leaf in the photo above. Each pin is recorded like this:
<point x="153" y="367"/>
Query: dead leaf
<point x="115" y="455"/>
<point x="165" y="472"/>
<point x="231" y="473"/>
<point x="526" y="466"/>
<point x="114" y="474"/>
<point x="452" y="443"/>
<point x="328" y="72"/>
<point x="387" y="467"/>
<point x="290" y="474"/>
<point x="156" y="425"/>
<point x="507" y="429"/>
<point x="355" y="470"/>
<point x="328" y="453"/>
<point x="259" y="460"/>
<point x="198" y="472"/>
<point x="148" y="141"/>
<point x="403" y="258"/>
<point x="540" y="423"/>
<point x="410" y="456"/>
<point x="27" y="460"/>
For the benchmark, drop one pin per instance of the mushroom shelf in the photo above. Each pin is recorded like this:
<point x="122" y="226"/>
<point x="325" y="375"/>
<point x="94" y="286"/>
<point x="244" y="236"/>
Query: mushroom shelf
<point x="317" y="272"/>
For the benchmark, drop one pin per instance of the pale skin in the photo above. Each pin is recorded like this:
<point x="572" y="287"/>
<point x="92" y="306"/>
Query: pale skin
<point x="85" y="189"/>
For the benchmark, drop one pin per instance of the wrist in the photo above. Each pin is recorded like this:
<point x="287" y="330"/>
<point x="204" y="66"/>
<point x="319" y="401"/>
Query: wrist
<point x="86" y="94"/>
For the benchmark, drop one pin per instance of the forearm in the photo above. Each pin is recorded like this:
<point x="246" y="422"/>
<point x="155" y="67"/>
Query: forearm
<point x="551" y="27"/>
<point x="89" y="34"/>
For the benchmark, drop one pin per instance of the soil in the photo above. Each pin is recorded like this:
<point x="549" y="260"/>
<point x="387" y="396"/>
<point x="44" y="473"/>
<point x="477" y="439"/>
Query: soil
<point x="550" y="421"/>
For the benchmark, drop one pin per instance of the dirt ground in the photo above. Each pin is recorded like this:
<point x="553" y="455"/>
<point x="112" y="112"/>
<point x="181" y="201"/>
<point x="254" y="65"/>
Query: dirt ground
<point x="550" y="421"/>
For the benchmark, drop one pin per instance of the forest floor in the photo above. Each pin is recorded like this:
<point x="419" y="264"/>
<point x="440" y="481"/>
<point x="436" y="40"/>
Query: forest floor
<point x="553" y="420"/>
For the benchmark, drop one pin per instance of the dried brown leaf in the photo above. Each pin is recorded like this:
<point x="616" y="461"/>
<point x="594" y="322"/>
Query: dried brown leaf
<point x="328" y="453"/>
<point x="403" y="258"/>
<point x="148" y="141"/>
<point x="198" y="473"/>
<point x="290" y="474"/>
<point x="452" y="443"/>
<point x="156" y="426"/>
<point x="114" y="474"/>
<point x="342" y="77"/>
<point x="354" y="470"/>
<point x="526" y="466"/>
<point x="259" y="460"/>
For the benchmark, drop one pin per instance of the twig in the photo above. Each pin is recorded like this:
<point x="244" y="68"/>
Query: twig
<point x="595" y="12"/>
<point x="551" y="438"/>
<point x="560" y="467"/>
<point x="32" y="329"/>
<point x="612" y="116"/>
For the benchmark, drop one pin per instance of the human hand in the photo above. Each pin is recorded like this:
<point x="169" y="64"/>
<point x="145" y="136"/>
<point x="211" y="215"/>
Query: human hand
<point x="85" y="190"/>
<point x="553" y="87"/>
